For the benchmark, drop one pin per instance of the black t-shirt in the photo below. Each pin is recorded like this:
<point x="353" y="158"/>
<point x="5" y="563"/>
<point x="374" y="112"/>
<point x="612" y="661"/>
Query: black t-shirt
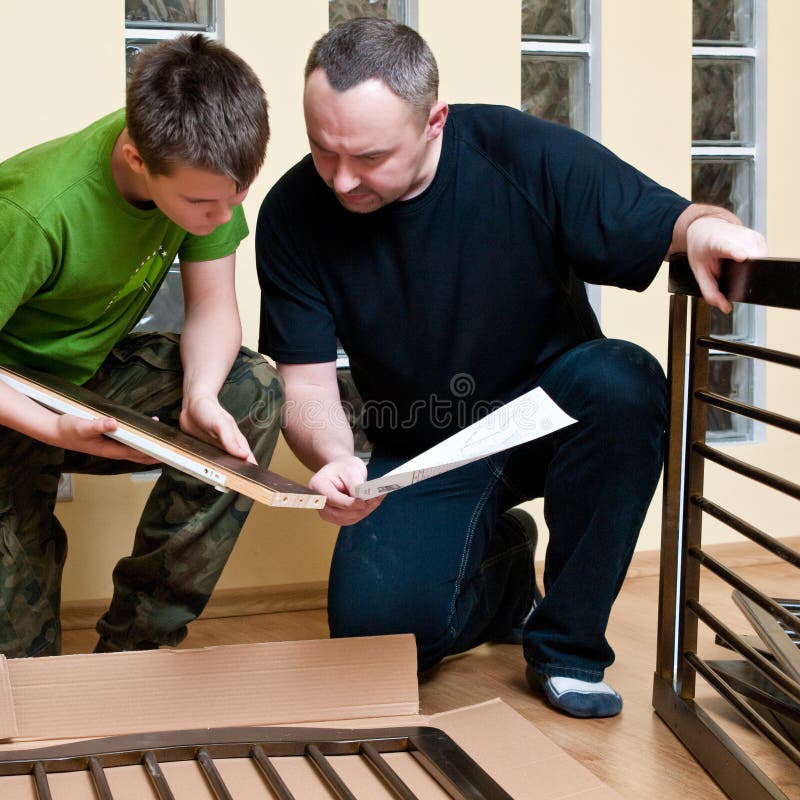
<point x="456" y="300"/>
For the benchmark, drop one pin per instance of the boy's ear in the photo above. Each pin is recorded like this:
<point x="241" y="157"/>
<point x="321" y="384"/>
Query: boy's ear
<point x="133" y="158"/>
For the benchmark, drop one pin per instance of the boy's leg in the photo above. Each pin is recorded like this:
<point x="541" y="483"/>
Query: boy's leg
<point x="188" y="528"/>
<point x="437" y="559"/>
<point x="33" y="547"/>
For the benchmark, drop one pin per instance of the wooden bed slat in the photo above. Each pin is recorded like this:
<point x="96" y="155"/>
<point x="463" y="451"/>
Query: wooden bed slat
<point x="167" y="444"/>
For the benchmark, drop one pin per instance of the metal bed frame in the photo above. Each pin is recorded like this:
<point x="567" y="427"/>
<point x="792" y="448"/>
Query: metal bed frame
<point x="776" y="663"/>
<point x="456" y="773"/>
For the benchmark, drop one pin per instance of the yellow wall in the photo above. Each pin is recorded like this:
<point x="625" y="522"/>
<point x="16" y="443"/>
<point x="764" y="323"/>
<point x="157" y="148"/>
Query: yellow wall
<point x="58" y="76"/>
<point x="477" y="53"/>
<point x="645" y="90"/>
<point x="646" y="119"/>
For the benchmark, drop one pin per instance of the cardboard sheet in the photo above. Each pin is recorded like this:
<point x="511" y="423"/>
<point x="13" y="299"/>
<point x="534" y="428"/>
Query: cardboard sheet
<point x="531" y="765"/>
<point x="254" y="684"/>
<point x="344" y="683"/>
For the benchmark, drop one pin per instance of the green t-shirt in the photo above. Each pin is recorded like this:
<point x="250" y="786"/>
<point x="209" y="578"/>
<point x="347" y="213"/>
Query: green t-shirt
<point x="78" y="263"/>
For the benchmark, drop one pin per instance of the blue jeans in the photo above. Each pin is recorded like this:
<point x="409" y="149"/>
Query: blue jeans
<point x="436" y="560"/>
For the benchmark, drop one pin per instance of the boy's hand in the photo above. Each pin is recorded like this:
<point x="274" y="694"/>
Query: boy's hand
<point x="88" y="436"/>
<point x="206" y="419"/>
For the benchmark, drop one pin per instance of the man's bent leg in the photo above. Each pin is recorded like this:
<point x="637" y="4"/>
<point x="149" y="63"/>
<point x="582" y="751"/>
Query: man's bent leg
<point x="433" y="560"/>
<point x="188" y="528"/>
<point x="598" y="488"/>
<point x="33" y="547"/>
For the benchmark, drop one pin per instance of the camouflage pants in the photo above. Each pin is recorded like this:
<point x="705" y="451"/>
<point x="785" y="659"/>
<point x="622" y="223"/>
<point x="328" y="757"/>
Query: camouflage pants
<point x="187" y="529"/>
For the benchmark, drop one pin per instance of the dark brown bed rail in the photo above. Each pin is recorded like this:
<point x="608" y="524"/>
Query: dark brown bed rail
<point x="763" y="683"/>
<point x="457" y="774"/>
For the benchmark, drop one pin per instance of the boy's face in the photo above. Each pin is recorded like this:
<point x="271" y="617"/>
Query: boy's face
<point x="370" y="146"/>
<point x="196" y="200"/>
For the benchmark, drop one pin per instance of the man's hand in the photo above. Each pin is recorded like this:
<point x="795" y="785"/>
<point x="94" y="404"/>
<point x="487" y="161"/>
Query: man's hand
<point x="206" y="419"/>
<point x="88" y="436"/>
<point x="709" y="240"/>
<point x="337" y="480"/>
<point x="317" y="430"/>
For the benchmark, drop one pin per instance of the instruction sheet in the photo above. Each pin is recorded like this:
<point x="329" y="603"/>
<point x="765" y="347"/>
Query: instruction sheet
<point x="529" y="417"/>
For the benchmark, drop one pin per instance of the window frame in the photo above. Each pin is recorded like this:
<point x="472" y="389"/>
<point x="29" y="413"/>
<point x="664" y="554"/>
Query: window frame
<point x="411" y="8"/>
<point x="745" y="431"/>
<point x="143" y="32"/>
<point x="590" y="50"/>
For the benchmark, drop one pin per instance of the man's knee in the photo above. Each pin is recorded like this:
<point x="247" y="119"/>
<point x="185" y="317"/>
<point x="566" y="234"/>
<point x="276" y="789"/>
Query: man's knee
<point x="635" y="367"/>
<point x="612" y="381"/>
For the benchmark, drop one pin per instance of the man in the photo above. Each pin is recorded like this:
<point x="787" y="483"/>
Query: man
<point x="446" y="248"/>
<point x="89" y="225"/>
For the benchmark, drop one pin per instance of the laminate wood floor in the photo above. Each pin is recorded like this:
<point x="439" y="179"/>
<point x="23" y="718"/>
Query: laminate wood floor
<point x="634" y="753"/>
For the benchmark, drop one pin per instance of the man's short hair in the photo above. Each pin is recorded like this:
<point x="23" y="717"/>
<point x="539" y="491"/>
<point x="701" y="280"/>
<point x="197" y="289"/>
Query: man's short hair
<point x="193" y="102"/>
<point x="368" y="47"/>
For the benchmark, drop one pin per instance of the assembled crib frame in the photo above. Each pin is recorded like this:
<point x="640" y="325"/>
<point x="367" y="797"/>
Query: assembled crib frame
<point x="775" y="657"/>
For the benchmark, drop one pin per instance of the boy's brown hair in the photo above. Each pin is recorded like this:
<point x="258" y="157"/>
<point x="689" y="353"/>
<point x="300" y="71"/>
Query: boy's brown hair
<point x="193" y="102"/>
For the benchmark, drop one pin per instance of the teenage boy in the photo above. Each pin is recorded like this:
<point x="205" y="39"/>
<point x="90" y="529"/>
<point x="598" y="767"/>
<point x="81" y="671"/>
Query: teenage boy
<point x="89" y="225"/>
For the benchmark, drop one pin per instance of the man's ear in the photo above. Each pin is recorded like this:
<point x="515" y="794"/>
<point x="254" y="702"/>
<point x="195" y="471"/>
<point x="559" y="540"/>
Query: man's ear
<point x="436" y="119"/>
<point x="133" y="158"/>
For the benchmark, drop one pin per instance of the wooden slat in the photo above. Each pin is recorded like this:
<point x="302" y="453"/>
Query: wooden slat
<point x="778" y="641"/>
<point x="168" y="444"/>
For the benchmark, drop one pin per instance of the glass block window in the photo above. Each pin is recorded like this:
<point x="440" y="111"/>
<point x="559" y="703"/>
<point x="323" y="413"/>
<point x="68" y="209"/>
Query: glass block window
<point x="732" y="377"/>
<point x="133" y="49"/>
<point x="722" y="21"/>
<point x="547" y="20"/>
<point x="726" y="182"/>
<point x="165" y="312"/>
<point x="197" y="15"/>
<point x="555" y="68"/>
<point x="722" y="101"/>
<point x="555" y="61"/>
<point x="555" y="88"/>
<point x="341" y="10"/>
<point x="147" y="22"/>
<point x="726" y="65"/>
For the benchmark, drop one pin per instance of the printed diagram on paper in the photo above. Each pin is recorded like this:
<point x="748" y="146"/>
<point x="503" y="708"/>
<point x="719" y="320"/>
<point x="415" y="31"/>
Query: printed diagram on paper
<point x="529" y="417"/>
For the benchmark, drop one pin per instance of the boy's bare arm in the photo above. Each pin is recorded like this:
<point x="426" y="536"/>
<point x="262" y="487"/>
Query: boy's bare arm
<point x="212" y="336"/>
<point x="22" y="414"/>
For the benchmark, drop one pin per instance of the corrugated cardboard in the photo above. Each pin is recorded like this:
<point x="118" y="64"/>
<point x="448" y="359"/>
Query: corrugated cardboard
<point x="251" y="684"/>
<point x="367" y="682"/>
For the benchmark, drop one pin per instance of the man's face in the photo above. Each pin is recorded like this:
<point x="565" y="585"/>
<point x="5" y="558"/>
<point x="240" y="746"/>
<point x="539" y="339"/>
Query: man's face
<point x="370" y="146"/>
<point x="196" y="200"/>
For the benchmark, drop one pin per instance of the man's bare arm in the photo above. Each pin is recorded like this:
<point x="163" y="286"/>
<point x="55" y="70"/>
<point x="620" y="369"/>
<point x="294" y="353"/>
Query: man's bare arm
<point x="317" y="430"/>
